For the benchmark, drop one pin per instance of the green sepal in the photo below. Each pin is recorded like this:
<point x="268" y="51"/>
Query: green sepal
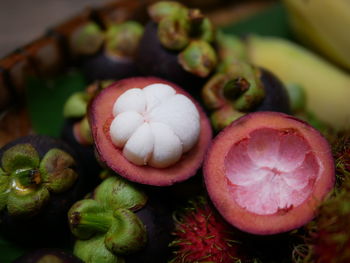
<point x="223" y="117"/>
<point x="84" y="135"/>
<point x="162" y="9"/>
<point x="127" y="233"/>
<point x="122" y="40"/>
<point x="87" y="40"/>
<point x="27" y="202"/>
<point x="255" y="93"/>
<point x="212" y="95"/>
<point x="20" y="156"/>
<point x="230" y="49"/>
<point x="76" y="105"/>
<point x="207" y="30"/>
<point x="56" y="169"/>
<point x="198" y="58"/>
<point x="115" y="192"/>
<point x="173" y="32"/>
<point x="297" y="97"/>
<point x="5" y="187"/>
<point x="80" y="222"/>
<point x="94" y="250"/>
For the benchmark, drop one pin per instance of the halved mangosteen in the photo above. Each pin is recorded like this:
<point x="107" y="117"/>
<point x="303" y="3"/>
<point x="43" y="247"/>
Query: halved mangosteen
<point x="149" y="130"/>
<point x="268" y="172"/>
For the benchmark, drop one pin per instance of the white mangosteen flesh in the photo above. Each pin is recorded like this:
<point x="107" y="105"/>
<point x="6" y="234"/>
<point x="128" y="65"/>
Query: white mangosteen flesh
<point x="155" y="125"/>
<point x="271" y="171"/>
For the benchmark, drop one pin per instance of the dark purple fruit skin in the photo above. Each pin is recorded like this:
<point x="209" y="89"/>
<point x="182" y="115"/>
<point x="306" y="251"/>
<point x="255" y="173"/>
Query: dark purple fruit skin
<point x="49" y="227"/>
<point x="104" y="67"/>
<point x="35" y="256"/>
<point x="85" y="155"/>
<point x="157" y="217"/>
<point x="276" y="96"/>
<point x="154" y="60"/>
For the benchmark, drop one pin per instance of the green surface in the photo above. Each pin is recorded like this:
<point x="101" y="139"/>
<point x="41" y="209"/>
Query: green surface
<point x="46" y="97"/>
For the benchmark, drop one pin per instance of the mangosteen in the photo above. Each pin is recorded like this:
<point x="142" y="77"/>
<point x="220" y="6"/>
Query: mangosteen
<point x="149" y="131"/>
<point x="76" y="130"/>
<point x="40" y="179"/>
<point x="177" y="45"/>
<point x="116" y="59"/>
<point x="53" y="255"/>
<point x="268" y="172"/>
<point x="119" y="222"/>
<point x="243" y="88"/>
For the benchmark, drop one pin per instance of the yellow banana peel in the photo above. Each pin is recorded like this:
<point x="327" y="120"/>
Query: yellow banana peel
<point x="327" y="87"/>
<point x="324" y="25"/>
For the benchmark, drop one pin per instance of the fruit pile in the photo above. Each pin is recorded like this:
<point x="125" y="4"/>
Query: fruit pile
<point x="188" y="145"/>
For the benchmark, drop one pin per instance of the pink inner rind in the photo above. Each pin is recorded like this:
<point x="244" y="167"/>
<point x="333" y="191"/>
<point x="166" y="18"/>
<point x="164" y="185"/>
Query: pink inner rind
<point x="271" y="170"/>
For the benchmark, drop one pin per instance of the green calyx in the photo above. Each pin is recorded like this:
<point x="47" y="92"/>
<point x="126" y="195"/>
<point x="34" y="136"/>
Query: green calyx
<point x="244" y="89"/>
<point x="88" y="39"/>
<point x="122" y="40"/>
<point x="163" y="9"/>
<point x="199" y="58"/>
<point x="173" y="32"/>
<point x="82" y="132"/>
<point x="76" y="105"/>
<point x="230" y="49"/>
<point x="26" y="182"/>
<point x="297" y="97"/>
<point x="189" y="32"/>
<point x="105" y="224"/>
<point x="224" y="117"/>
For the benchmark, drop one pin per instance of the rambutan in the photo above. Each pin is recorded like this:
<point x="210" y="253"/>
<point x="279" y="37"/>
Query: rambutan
<point x="327" y="238"/>
<point x="341" y="154"/>
<point x="202" y="235"/>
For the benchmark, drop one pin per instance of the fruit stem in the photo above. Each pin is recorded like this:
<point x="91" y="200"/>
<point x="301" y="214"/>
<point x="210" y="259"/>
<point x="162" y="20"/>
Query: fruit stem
<point x="100" y="222"/>
<point x="27" y="177"/>
<point x="235" y="88"/>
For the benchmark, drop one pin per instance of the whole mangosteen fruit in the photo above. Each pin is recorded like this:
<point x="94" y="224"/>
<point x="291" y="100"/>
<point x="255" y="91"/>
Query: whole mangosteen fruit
<point x="119" y="222"/>
<point x="40" y="179"/>
<point x="177" y="45"/>
<point x="116" y="59"/>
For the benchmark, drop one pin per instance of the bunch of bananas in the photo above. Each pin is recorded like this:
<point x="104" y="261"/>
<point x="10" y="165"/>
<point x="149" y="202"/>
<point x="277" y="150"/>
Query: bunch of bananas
<point x="327" y="87"/>
<point x="323" y="25"/>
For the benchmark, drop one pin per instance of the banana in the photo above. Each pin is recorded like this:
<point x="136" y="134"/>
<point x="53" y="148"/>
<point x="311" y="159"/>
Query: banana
<point x="323" y="25"/>
<point x="327" y="87"/>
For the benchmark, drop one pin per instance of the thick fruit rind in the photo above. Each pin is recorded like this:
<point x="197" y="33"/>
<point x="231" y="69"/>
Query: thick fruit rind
<point x="284" y="220"/>
<point x="100" y="117"/>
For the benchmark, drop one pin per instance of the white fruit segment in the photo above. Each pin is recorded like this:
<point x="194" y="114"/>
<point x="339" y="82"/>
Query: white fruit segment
<point x="154" y="126"/>
<point x="271" y="171"/>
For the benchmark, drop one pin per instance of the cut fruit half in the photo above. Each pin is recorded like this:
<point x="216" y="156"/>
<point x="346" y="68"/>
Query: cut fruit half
<point x="267" y="172"/>
<point x="131" y="131"/>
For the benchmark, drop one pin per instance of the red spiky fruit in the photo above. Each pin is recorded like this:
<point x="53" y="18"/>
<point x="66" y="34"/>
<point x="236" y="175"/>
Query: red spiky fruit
<point x="202" y="235"/>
